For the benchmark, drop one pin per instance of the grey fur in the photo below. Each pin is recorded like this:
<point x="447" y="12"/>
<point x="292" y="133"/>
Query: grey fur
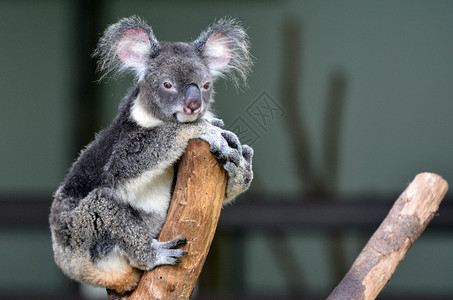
<point x="110" y="208"/>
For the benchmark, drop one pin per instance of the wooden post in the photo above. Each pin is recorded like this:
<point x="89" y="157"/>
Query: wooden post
<point x="194" y="212"/>
<point x="405" y="222"/>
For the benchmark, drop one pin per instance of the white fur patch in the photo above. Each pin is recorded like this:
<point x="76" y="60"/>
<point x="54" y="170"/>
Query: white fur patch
<point x="185" y="118"/>
<point x="150" y="192"/>
<point x="142" y="117"/>
<point x="114" y="262"/>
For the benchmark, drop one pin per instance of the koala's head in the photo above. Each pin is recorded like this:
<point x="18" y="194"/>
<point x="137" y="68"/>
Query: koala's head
<point x="174" y="80"/>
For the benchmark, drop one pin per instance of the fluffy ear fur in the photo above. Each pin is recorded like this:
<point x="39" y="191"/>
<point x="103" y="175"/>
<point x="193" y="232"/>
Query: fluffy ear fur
<point x="225" y="48"/>
<point x="126" y="46"/>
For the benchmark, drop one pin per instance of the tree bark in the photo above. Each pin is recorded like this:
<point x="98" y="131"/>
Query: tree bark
<point x="194" y="212"/>
<point x="405" y="222"/>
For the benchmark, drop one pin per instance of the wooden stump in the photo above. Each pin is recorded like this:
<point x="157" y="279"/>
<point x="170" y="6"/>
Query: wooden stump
<point x="194" y="212"/>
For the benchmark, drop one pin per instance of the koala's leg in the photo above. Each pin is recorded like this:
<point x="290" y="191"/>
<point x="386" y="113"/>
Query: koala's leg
<point x="105" y="242"/>
<point x="115" y="275"/>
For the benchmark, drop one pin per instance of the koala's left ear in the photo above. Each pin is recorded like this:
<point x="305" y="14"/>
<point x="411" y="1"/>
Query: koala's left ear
<point x="225" y="48"/>
<point x="126" y="45"/>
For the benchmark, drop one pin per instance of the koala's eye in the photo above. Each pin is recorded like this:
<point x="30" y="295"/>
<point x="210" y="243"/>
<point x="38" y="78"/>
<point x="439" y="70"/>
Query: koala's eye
<point x="206" y="85"/>
<point x="167" y="85"/>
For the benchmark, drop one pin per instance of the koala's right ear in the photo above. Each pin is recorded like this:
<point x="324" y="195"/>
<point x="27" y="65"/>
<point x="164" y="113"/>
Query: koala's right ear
<point x="126" y="46"/>
<point x="225" y="48"/>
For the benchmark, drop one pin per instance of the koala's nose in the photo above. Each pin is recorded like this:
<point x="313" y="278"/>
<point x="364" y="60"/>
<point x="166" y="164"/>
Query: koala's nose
<point x="192" y="99"/>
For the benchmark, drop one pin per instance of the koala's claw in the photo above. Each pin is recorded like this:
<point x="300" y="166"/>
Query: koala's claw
<point x="179" y="240"/>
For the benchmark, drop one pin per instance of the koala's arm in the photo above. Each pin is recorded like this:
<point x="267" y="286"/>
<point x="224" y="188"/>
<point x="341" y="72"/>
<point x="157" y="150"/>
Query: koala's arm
<point x="168" y="142"/>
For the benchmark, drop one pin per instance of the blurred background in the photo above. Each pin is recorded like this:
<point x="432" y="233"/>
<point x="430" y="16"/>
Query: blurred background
<point x="347" y="102"/>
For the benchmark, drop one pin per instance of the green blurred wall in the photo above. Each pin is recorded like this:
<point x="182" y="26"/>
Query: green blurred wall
<point x="397" y="58"/>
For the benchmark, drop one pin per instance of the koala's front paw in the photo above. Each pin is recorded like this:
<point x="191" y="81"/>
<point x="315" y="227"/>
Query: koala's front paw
<point x="240" y="173"/>
<point x="226" y="147"/>
<point x="165" y="252"/>
<point x="236" y="158"/>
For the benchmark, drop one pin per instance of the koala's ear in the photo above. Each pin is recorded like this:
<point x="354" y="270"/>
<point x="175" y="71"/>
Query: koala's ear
<point x="126" y="45"/>
<point x="134" y="49"/>
<point x="225" y="48"/>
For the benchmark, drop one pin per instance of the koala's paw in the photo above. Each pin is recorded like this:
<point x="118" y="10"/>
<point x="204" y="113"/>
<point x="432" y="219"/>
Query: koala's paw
<point x="165" y="252"/>
<point x="236" y="158"/>
<point x="240" y="173"/>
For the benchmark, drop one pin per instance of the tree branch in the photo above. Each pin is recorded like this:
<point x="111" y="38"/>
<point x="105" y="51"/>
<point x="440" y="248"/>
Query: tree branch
<point x="405" y="222"/>
<point x="194" y="212"/>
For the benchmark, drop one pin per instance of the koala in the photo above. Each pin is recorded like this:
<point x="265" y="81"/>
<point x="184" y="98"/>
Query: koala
<point x="110" y="208"/>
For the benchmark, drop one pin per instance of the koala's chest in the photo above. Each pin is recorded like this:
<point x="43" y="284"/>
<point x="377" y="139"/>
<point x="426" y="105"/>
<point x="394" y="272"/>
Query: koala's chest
<point x="149" y="192"/>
